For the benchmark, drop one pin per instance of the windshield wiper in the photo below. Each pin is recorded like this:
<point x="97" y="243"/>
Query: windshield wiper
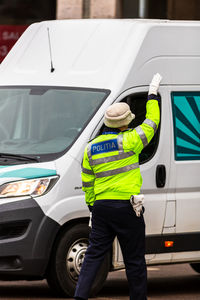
<point x="19" y="157"/>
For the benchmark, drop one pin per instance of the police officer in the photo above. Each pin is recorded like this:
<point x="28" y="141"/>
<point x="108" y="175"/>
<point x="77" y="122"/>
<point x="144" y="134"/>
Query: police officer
<point x="110" y="178"/>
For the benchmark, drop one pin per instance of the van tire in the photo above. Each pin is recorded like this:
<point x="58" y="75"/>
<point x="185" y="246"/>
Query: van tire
<point x="196" y="267"/>
<point x="62" y="277"/>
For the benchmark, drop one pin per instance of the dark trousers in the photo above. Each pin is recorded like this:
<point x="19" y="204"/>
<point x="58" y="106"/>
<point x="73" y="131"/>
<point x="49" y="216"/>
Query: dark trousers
<point x="111" y="218"/>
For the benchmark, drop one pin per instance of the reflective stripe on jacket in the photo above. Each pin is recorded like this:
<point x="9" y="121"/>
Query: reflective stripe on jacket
<point x="110" y="168"/>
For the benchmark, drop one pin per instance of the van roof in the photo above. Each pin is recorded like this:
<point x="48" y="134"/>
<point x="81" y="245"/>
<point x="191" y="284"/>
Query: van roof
<point x="107" y="53"/>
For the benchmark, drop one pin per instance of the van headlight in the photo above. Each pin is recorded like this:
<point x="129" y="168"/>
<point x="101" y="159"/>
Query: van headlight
<point x="30" y="187"/>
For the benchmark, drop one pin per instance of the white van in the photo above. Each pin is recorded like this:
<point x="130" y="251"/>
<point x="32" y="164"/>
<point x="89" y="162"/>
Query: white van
<point x="55" y="85"/>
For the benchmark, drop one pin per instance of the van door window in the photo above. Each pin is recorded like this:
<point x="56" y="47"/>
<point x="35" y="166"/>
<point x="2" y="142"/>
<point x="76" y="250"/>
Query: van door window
<point x="186" y="119"/>
<point x="137" y="103"/>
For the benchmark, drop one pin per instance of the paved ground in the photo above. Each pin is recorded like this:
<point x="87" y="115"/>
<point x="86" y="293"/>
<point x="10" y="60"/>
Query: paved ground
<point x="177" y="282"/>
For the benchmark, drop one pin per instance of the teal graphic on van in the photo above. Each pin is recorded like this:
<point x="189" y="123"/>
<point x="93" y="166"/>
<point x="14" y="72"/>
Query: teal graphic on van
<point x="186" y="117"/>
<point x="28" y="173"/>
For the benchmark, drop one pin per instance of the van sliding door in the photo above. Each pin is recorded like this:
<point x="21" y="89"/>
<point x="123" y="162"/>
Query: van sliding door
<point x="185" y="102"/>
<point x="155" y="169"/>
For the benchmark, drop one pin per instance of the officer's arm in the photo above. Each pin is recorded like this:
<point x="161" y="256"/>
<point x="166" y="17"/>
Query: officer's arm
<point x="87" y="180"/>
<point x="145" y="132"/>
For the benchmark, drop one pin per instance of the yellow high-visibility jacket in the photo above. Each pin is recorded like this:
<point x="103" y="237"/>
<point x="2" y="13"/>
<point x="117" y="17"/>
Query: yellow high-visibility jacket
<point x="110" y="167"/>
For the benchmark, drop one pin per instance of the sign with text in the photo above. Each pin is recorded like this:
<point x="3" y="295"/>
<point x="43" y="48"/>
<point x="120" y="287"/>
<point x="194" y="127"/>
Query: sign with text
<point x="9" y="34"/>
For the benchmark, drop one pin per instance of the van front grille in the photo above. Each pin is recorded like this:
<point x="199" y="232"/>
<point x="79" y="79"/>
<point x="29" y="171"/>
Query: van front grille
<point x="13" y="229"/>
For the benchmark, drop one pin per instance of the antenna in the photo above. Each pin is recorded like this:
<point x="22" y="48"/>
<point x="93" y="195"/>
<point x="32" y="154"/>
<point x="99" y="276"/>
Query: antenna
<point x="52" y="68"/>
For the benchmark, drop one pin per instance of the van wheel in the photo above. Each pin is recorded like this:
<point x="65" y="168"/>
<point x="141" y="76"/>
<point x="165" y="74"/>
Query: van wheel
<point x="66" y="261"/>
<point x="196" y="267"/>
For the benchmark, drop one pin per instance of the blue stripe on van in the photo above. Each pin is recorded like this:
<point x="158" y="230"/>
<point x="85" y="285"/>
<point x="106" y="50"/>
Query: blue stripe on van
<point x="29" y="173"/>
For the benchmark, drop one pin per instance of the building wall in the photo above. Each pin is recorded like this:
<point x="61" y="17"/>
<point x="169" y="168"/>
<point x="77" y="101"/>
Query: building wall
<point x="76" y="9"/>
<point x="69" y="9"/>
<point x="159" y="9"/>
<point x="25" y="12"/>
<point x="184" y="9"/>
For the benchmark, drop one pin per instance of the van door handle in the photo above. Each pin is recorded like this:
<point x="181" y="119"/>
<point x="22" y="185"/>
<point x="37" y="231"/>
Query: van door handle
<point x="160" y="176"/>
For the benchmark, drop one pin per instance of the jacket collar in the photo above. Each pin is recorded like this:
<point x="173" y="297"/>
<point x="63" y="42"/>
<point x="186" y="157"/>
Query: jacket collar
<point x="108" y="130"/>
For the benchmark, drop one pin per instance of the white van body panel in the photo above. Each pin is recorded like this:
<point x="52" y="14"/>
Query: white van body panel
<point x="90" y="56"/>
<point x="71" y="204"/>
<point x="119" y="56"/>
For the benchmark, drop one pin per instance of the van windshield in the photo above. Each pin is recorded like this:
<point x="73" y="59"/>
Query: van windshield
<point x="44" y="121"/>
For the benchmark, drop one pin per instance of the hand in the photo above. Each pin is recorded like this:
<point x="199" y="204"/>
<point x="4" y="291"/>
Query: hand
<point x="154" y="85"/>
